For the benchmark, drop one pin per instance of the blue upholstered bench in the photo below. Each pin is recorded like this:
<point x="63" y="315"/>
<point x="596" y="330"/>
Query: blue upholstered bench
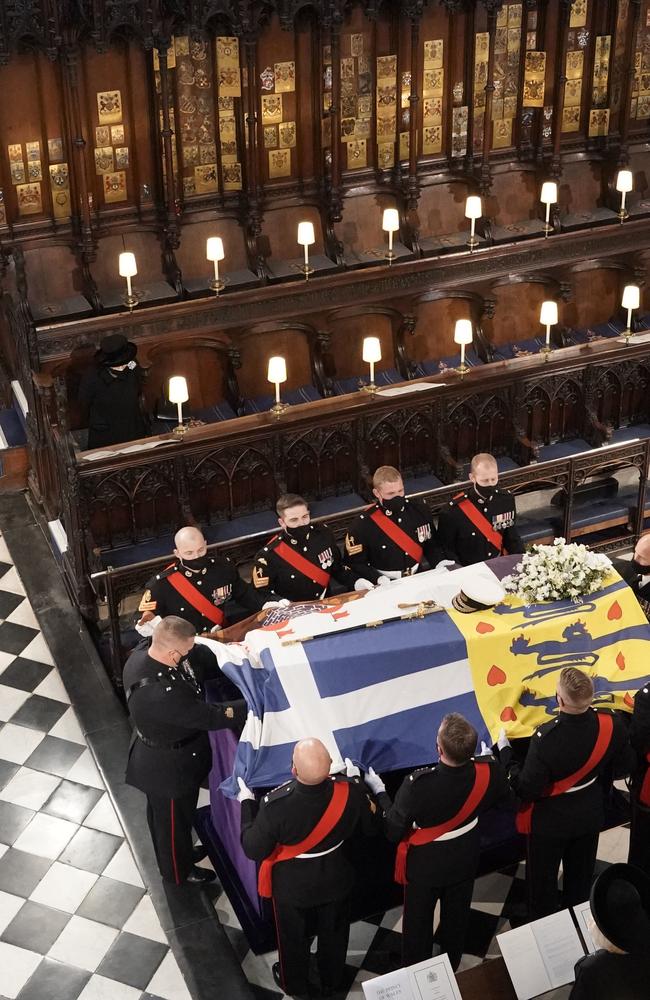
<point x="305" y="394"/>
<point x="343" y="386"/>
<point x="12" y="427"/>
<point x="438" y="367"/>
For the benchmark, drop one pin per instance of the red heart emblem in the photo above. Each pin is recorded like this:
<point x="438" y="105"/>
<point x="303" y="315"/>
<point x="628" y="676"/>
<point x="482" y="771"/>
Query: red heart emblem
<point x="495" y="676"/>
<point x="484" y="627"/>
<point x="629" y="701"/>
<point x="620" y="661"/>
<point x="508" y="715"/>
<point x="615" y="612"/>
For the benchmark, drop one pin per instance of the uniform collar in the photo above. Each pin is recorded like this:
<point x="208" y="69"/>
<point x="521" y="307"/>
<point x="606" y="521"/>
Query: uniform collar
<point x="575" y="720"/>
<point x="312" y="790"/>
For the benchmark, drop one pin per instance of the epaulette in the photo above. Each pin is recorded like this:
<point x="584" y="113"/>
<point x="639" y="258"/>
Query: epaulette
<point x="548" y="727"/>
<point x="279" y="792"/>
<point x="457" y="497"/>
<point x="422" y="770"/>
<point x="167" y="571"/>
<point x="272" y="542"/>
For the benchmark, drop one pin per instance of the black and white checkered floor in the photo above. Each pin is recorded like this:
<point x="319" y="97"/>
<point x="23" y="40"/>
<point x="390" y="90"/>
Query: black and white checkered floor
<point x="76" y="922"/>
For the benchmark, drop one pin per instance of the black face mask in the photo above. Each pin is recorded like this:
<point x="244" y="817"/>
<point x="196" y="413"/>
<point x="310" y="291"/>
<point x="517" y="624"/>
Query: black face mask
<point x="196" y="564"/>
<point x="639" y="568"/>
<point x="301" y="533"/>
<point x="486" y="491"/>
<point x="395" y="505"/>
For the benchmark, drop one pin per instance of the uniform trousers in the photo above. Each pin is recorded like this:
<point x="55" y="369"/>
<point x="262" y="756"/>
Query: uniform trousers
<point x="640" y="836"/>
<point x="417" y="922"/>
<point x="578" y="858"/>
<point x="170" y="823"/>
<point x="295" y="926"/>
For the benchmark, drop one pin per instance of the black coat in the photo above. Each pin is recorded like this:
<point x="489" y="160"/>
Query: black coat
<point x="604" y="976"/>
<point x="113" y="401"/>
<point x="170" y="708"/>
<point x="286" y="816"/>
<point x="433" y="795"/>
<point x="370" y="551"/>
<point x="274" y="577"/>
<point x="462" y="540"/>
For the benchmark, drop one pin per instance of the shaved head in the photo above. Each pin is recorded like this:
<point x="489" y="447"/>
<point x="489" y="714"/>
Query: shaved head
<point x="311" y="762"/>
<point x="190" y="543"/>
<point x="642" y="550"/>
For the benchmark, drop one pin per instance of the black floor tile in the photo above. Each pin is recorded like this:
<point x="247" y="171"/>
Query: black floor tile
<point x="25" y="674"/>
<point x="132" y="960"/>
<point x="9" y="602"/>
<point x="20" y="872"/>
<point x="238" y="942"/>
<point x="90" y="850"/>
<point x="7" y="771"/>
<point x="4" y="566"/>
<point x="110" y="902"/>
<point x="54" y="755"/>
<point x="14" y="638"/>
<point x="481" y="930"/>
<point x="385" y="952"/>
<point x="54" y="981"/>
<point x="13" y="820"/>
<point x="38" y="712"/>
<point x="35" y="927"/>
<point x="72" y="801"/>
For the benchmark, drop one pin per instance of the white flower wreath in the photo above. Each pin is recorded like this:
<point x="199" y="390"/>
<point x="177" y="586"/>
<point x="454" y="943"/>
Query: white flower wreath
<point x="558" y="572"/>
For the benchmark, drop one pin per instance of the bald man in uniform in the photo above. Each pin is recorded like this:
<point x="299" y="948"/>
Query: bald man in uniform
<point x="311" y="880"/>
<point x="636" y="571"/>
<point x="205" y="590"/>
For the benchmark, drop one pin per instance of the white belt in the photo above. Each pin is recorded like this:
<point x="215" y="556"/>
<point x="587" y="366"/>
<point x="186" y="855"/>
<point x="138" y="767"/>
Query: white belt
<point x="319" y="854"/>
<point x="578" y="788"/>
<point x="454" y="833"/>
<point x="396" y="574"/>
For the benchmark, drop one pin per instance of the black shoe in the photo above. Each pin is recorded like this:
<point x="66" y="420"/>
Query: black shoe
<point x="199" y="852"/>
<point x="275" y="969"/>
<point x="201" y="876"/>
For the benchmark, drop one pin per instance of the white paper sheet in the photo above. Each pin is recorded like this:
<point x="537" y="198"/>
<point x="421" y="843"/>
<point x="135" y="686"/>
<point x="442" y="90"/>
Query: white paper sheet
<point x="541" y="955"/>
<point x="402" y="390"/>
<point x="429" y="980"/>
<point x="584" y="918"/>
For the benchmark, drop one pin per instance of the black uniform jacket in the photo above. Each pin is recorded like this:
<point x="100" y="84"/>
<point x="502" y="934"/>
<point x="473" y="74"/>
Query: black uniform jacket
<point x="558" y="749"/>
<point x="170" y="708"/>
<point x="274" y="577"/>
<point x="219" y="582"/>
<point x="433" y="795"/>
<point x="640" y="735"/>
<point x="463" y="542"/>
<point x="604" y="976"/>
<point x="287" y="815"/>
<point x="370" y="551"/>
<point x="113" y="402"/>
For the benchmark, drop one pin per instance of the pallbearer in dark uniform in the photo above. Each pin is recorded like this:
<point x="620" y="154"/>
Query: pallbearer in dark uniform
<point x="170" y="752"/>
<point x="636" y="571"/>
<point x="479" y="523"/>
<point x="569" y="765"/>
<point x="300" y="563"/>
<point x="393" y="537"/>
<point x="203" y="589"/>
<point x="298" y="832"/>
<point x="640" y="789"/>
<point x="435" y="819"/>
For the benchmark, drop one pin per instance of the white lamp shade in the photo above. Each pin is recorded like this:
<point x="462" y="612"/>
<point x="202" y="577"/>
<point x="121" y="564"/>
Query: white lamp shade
<point x="371" y="349"/>
<point x="549" y="193"/>
<point x="631" y="297"/>
<point x="548" y="313"/>
<point x="128" y="267"/>
<point x="473" y="207"/>
<point x="390" y="220"/>
<point x="624" y="181"/>
<point x="214" y="248"/>
<point x="178" y="389"/>
<point x="463" y="331"/>
<point x="277" y="370"/>
<point x="306" y="234"/>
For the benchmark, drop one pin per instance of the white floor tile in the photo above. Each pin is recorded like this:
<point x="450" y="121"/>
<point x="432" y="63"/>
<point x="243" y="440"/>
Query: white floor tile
<point x="168" y="983"/>
<point x="11" y="699"/>
<point x="10" y="582"/>
<point x="64" y="887"/>
<point x="5" y="555"/>
<point x="38" y="650"/>
<point x="17" y="743"/>
<point x="29" y="788"/>
<point x="614" y="844"/>
<point x="204" y="798"/>
<point x="16" y="966"/>
<point x="52" y="687"/>
<point x="5" y="660"/>
<point x="144" y="922"/>
<point x="3" y="849"/>
<point x="123" y="868"/>
<point x="23" y="615"/>
<point x="100" y="988"/>
<point x="85" y="771"/>
<point x="9" y="906"/>
<point x="103" y="817"/>
<point x="83" y="943"/>
<point x="46" y="836"/>
<point x="67" y="728"/>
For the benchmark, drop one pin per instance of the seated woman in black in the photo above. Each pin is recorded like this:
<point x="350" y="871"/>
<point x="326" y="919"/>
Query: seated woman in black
<point x="111" y="391"/>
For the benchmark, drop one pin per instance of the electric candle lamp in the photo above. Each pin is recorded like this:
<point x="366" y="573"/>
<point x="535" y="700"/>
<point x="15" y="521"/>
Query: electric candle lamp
<point x="473" y="211"/>
<point x="306" y="237"/>
<point x="277" y="374"/>
<point x="463" y="335"/>
<point x="178" y="394"/>
<point x="390" y="225"/>
<point x="128" y="269"/>
<point x="548" y="197"/>
<point x="624" y="184"/>
<point x="215" y="253"/>
<point x="371" y="355"/>
<point x="548" y="317"/>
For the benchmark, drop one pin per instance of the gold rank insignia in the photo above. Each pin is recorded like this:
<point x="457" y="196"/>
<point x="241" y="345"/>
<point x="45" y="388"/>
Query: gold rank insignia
<point x="351" y="547"/>
<point x="259" y="580"/>
<point x="147" y="603"/>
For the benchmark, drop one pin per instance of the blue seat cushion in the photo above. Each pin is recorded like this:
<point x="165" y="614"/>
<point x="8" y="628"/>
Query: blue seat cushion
<point x="421" y="484"/>
<point x="520" y="349"/>
<point x="613" y="328"/>
<point x="563" y="449"/>
<point x="630" y="433"/>
<point x="597" y="511"/>
<point x="534" y="525"/>
<point x="12" y="428"/>
<point x="433" y="367"/>
<point x="305" y="394"/>
<point x="213" y="414"/>
<point x="335" y="505"/>
<point x="343" y="386"/>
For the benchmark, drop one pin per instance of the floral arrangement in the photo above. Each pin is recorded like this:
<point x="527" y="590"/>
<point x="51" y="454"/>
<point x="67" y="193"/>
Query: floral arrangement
<point x="558" y="572"/>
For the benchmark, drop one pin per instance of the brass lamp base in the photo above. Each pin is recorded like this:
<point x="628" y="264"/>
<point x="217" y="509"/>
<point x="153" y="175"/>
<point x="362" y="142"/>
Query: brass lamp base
<point x="548" y="229"/>
<point x="217" y="286"/>
<point x="461" y="371"/>
<point x="130" y="301"/>
<point x="473" y="242"/>
<point x="179" y="430"/>
<point x="370" y="388"/>
<point x="278" y="409"/>
<point x="623" y="214"/>
<point x="306" y="270"/>
<point x="390" y="256"/>
<point x="546" y="351"/>
<point x="627" y="334"/>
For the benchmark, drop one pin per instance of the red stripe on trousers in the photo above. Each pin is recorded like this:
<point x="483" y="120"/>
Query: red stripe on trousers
<point x="178" y="881"/>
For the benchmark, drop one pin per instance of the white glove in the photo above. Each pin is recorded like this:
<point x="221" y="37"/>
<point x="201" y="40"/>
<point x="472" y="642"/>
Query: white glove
<point x="486" y="751"/>
<point x="351" y="769"/>
<point x="445" y="562"/>
<point x="383" y="580"/>
<point x="363" y="585"/>
<point x="374" y="782"/>
<point x="244" y="791"/>
<point x="146" y="629"/>
<point x="502" y="740"/>
<point x="282" y="603"/>
<point x="215" y="628"/>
